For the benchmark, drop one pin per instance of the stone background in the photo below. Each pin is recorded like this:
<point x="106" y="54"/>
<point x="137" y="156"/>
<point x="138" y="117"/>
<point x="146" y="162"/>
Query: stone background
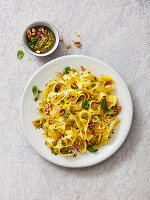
<point x="114" y="31"/>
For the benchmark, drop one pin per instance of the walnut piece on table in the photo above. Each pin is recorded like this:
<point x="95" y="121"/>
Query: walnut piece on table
<point x="61" y="39"/>
<point x="77" y="43"/>
<point x="68" y="46"/>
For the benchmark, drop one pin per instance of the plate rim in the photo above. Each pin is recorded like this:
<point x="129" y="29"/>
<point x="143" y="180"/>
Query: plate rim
<point x="98" y="160"/>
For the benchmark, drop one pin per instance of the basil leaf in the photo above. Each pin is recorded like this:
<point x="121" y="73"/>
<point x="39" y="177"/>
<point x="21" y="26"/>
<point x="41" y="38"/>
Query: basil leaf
<point x="109" y="111"/>
<point x="85" y="104"/>
<point x="65" y="70"/>
<point x="34" y="39"/>
<point x="35" y="90"/>
<point x="104" y="104"/>
<point x="92" y="149"/>
<point x="20" y="54"/>
<point x="106" y="110"/>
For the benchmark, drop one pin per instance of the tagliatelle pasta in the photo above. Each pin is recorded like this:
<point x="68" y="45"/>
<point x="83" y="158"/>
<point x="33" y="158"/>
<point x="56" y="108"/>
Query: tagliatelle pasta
<point x="78" y="112"/>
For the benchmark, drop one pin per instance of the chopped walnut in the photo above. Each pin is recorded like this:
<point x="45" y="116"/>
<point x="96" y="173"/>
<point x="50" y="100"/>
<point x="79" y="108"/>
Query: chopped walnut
<point x="33" y="30"/>
<point x="61" y="39"/>
<point x="91" y="97"/>
<point x="47" y="109"/>
<point x="29" y="33"/>
<point x="108" y="83"/>
<point x="107" y="116"/>
<point x="57" y="88"/>
<point x="89" y="144"/>
<point x="77" y="43"/>
<point x="73" y="85"/>
<point x="82" y="69"/>
<point x="62" y="111"/>
<point x="51" y="121"/>
<point x="68" y="46"/>
<point x="116" y="109"/>
<point x="59" y="74"/>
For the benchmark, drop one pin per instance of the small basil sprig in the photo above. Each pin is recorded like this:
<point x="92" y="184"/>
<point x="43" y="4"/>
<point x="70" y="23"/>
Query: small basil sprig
<point x="34" y="39"/>
<point x="20" y="54"/>
<point x="85" y="104"/>
<point x="92" y="149"/>
<point x="35" y="92"/>
<point x="106" y="110"/>
<point x="65" y="71"/>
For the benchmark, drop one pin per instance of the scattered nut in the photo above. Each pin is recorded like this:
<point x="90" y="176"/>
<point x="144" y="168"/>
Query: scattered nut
<point x="116" y="109"/>
<point x="61" y="39"/>
<point x="59" y="74"/>
<point x="77" y="43"/>
<point x="82" y="69"/>
<point x="29" y="33"/>
<point x="33" y="30"/>
<point x="68" y="46"/>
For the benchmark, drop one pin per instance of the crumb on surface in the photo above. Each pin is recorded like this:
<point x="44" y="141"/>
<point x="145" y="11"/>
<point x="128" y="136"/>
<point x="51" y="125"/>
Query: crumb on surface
<point x="61" y="39"/>
<point x="77" y="43"/>
<point x="77" y="34"/>
<point x="68" y="46"/>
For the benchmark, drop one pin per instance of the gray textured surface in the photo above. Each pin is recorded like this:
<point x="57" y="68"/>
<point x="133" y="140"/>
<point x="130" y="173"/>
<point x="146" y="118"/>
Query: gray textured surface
<point x="113" y="31"/>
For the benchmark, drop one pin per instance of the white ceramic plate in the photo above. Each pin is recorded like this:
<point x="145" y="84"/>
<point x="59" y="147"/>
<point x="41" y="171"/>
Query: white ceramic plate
<point x="29" y="110"/>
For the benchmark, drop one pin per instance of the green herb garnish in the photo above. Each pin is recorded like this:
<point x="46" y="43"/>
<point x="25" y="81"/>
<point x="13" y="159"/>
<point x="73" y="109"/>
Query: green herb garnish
<point x="20" y="54"/>
<point x="85" y="104"/>
<point x="65" y="71"/>
<point x="109" y="111"/>
<point x="104" y="104"/>
<point x="33" y="39"/>
<point x="35" y="92"/>
<point x="106" y="110"/>
<point x="92" y="149"/>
